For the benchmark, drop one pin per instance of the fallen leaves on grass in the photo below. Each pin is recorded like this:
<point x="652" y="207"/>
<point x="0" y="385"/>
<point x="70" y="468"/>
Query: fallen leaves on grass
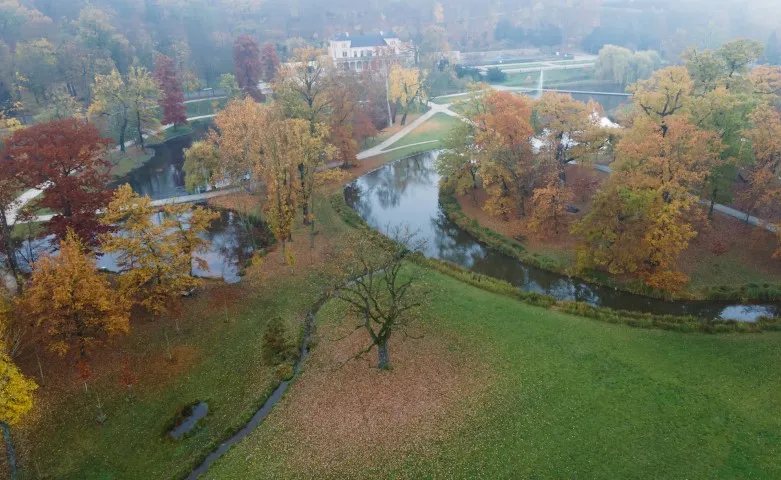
<point x="344" y="419"/>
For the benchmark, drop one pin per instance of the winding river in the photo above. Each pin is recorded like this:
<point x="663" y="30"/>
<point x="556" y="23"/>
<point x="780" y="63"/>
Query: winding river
<point x="406" y="193"/>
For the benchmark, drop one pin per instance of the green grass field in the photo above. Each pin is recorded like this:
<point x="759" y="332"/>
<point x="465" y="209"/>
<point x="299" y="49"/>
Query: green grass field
<point x="552" y="77"/>
<point x="567" y="398"/>
<point x="435" y="129"/>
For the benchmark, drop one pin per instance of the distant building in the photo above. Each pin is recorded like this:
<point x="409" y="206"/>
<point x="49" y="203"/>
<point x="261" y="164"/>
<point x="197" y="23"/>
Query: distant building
<point x="356" y="52"/>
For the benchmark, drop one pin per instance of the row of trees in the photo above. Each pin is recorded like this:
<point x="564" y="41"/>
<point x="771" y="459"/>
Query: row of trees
<point x="691" y="129"/>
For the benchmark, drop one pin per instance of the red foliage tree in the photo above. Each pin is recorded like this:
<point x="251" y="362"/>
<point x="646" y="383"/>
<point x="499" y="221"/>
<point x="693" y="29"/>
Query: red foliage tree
<point x="363" y="127"/>
<point x="66" y="157"/>
<point x="246" y="60"/>
<point x="269" y="62"/>
<point x="172" y="99"/>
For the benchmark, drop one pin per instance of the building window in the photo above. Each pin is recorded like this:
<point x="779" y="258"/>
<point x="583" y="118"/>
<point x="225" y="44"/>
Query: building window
<point x="344" y="54"/>
<point x="355" y="54"/>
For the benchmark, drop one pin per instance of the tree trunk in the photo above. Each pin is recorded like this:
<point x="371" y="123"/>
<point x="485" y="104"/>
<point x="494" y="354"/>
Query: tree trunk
<point x="387" y="99"/>
<point x="9" y="247"/>
<point x="140" y="132"/>
<point x="404" y="118"/>
<point x="383" y="356"/>
<point x="122" y="130"/>
<point x="710" y="210"/>
<point x="10" y="449"/>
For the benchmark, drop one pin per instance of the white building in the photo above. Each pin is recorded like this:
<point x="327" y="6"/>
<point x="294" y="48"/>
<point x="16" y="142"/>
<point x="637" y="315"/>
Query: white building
<point x="356" y="52"/>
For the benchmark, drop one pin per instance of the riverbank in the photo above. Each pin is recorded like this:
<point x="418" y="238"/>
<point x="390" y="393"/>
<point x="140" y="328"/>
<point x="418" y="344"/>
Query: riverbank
<point x="745" y="261"/>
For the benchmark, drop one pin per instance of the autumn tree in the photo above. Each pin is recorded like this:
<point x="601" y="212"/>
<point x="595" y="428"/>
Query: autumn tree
<point x="306" y="91"/>
<point x="764" y="135"/>
<point x="229" y="85"/>
<point x="16" y="399"/>
<point x="459" y="162"/>
<point x="382" y="293"/>
<point x="549" y="208"/>
<point x="407" y="87"/>
<point x="643" y="219"/>
<point x="665" y="93"/>
<point x="269" y="63"/>
<point x="36" y="62"/>
<point x="237" y="140"/>
<point x="150" y="250"/>
<point x="247" y="66"/>
<point x="201" y="160"/>
<point x="172" y="98"/>
<point x="67" y="157"/>
<point x="129" y="102"/>
<point x="71" y="303"/>
<point x="570" y="130"/>
<point x="344" y="110"/>
<point x="507" y="165"/>
<point x="189" y="225"/>
<point x="282" y="153"/>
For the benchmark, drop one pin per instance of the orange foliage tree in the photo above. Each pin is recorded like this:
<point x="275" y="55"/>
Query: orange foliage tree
<point x="507" y="165"/>
<point x="643" y="219"/>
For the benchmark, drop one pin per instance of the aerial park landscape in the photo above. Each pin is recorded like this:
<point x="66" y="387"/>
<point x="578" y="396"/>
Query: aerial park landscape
<point x="283" y="243"/>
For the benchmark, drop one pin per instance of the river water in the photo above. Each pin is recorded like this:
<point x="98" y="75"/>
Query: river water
<point x="406" y="193"/>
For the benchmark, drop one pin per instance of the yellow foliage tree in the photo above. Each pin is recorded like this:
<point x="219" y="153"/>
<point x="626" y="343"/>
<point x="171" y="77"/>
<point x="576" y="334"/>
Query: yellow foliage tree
<point x="666" y="93"/>
<point x="570" y="129"/>
<point x="406" y="87"/>
<point x="16" y="399"/>
<point x="71" y="303"/>
<point x="156" y="266"/>
<point x="130" y="102"/>
<point x="240" y="125"/>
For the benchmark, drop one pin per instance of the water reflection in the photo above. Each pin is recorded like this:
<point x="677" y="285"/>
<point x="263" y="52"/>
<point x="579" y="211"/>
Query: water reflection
<point x="405" y="193"/>
<point x="229" y="250"/>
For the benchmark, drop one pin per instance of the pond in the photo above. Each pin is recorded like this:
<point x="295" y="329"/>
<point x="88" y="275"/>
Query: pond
<point x="230" y="245"/>
<point x="163" y="175"/>
<point x="406" y="193"/>
<point x="230" y="249"/>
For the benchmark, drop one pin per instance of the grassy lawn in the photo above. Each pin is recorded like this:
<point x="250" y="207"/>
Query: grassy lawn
<point x="205" y="107"/>
<point x="552" y="77"/>
<point x="123" y="163"/>
<point x="553" y="396"/>
<point x="436" y="128"/>
<point x="390" y="131"/>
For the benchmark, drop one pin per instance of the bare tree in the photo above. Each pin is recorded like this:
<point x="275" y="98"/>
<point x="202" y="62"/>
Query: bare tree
<point x="381" y="291"/>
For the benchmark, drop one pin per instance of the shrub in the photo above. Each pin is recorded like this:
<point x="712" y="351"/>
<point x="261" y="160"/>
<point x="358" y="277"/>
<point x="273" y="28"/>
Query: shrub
<point x="495" y="75"/>
<point x="284" y="372"/>
<point x="277" y="348"/>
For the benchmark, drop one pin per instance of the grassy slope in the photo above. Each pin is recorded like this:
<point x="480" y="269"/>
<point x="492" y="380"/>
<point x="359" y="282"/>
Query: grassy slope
<point x="578" y="398"/>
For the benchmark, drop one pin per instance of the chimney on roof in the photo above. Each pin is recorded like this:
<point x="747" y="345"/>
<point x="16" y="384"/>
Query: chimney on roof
<point x="347" y="34"/>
